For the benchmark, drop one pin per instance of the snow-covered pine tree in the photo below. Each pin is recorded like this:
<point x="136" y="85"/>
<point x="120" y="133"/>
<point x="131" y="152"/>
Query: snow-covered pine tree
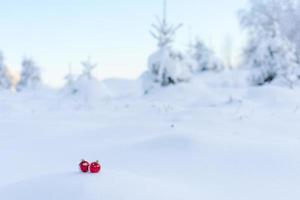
<point x="269" y="55"/>
<point x="88" y="67"/>
<point x="85" y="84"/>
<point x="86" y="89"/>
<point x="70" y="82"/>
<point x="5" y="80"/>
<point x="165" y="65"/>
<point x="205" y="59"/>
<point x="164" y="32"/>
<point x="30" y="75"/>
<point x="82" y="83"/>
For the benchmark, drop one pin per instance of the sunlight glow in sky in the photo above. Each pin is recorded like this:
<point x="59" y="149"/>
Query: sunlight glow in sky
<point x="114" y="33"/>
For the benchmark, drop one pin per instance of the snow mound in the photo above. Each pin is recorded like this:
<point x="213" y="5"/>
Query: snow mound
<point x="272" y="95"/>
<point x="108" y="185"/>
<point x="122" y="88"/>
<point x="85" y="92"/>
<point x="194" y="92"/>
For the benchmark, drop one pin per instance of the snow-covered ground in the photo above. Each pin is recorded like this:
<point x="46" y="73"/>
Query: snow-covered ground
<point x="213" y="139"/>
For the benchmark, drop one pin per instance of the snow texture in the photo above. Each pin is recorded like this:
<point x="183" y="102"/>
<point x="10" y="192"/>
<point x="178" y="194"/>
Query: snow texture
<point x="211" y="138"/>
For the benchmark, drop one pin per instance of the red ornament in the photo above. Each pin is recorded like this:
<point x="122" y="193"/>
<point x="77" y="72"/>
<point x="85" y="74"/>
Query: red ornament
<point x="95" y="167"/>
<point x="84" y="166"/>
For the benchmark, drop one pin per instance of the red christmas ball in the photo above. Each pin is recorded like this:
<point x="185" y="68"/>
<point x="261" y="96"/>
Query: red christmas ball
<point x="95" y="167"/>
<point x="84" y="166"/>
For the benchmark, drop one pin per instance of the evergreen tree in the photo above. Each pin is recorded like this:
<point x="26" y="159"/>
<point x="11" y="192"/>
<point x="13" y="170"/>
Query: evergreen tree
<point x="5" y="80"/>
<point x="165" y="65"/>
<point x="70" y="82"/>
<point x="84" y="82"/>
<point x="30" y="75"/>
<point x="88" y="67"/>
<point x="164" y="32"/>
<point x="205" y="59"/>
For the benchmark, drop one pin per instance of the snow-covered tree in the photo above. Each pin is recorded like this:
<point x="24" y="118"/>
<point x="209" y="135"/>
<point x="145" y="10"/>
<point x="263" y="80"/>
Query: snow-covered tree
<point x="5" y="80"/>
<point x="164" y="32"/>
<point x="88" y="67"/>
<point x="83" y="82"/>
<point x="289" y="20"/>
<point x="85" y="89"/>
<point x="205" y="59"/>
<point x="70" y="82"/>
<point x="287" y="15"/>
<point x="269" y="55"/>
<point x="166" y="66"/>
<point x="30" y="75"/>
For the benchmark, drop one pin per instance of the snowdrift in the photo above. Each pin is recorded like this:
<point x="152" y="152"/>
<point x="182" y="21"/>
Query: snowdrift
<point x="211" y="138"/>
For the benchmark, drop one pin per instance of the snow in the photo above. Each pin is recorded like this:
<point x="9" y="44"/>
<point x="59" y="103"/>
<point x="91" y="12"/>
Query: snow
<point x="212" y="138"/>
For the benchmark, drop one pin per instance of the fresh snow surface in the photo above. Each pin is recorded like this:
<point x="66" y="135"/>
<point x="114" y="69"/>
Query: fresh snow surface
<point x="214" y="138"/>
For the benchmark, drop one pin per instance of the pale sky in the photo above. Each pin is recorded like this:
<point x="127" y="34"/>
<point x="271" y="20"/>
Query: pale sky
<point x="114" y="33"/>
